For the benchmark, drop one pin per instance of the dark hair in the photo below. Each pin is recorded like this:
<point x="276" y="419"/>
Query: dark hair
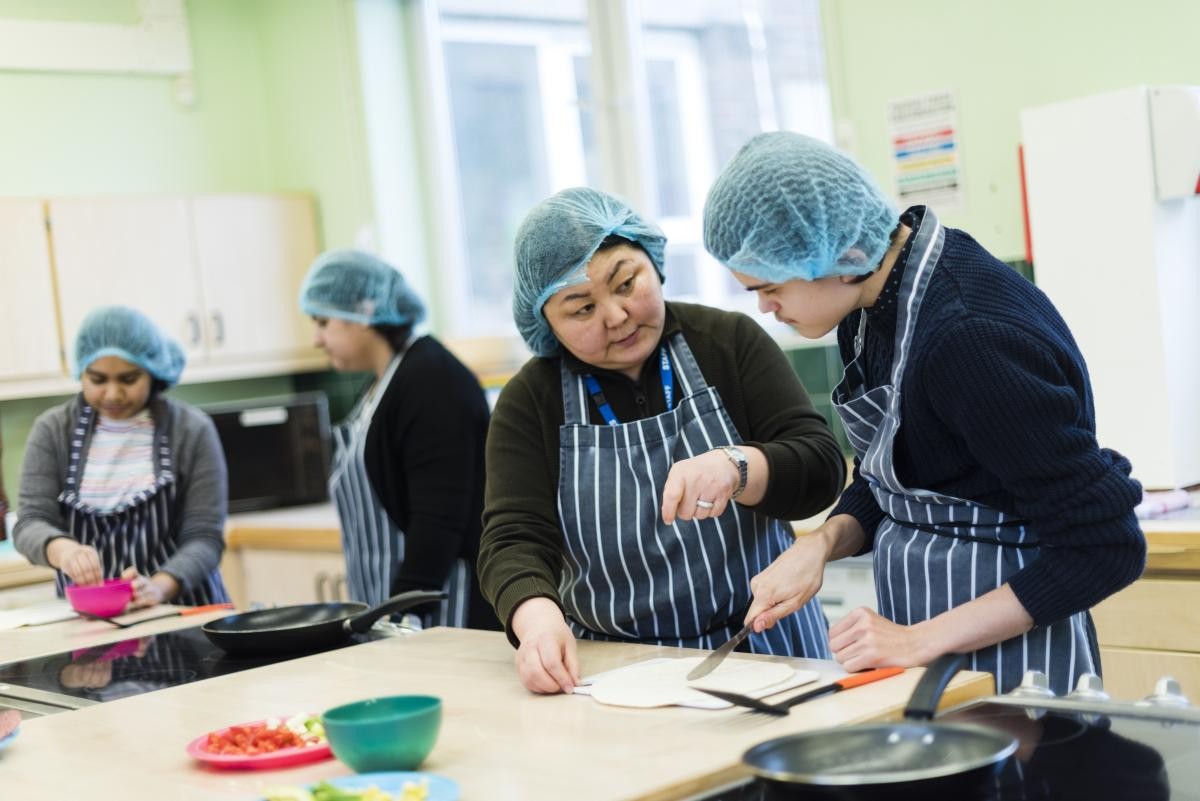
<point x="615" y="240"/>
<point x="858" y="279"/>
<point x="396" y="335"/>
<point x="157" y="387"/>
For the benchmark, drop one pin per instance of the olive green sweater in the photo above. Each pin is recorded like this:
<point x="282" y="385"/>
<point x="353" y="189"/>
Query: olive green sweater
<point x="522" y="552"/>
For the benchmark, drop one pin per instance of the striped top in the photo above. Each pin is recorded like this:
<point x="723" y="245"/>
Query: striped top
<point x="120" y="461"/>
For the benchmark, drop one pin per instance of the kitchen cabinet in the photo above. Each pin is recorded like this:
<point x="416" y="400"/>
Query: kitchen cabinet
<point x="252" y="253"/>
<point x="133" y="251"/>
<point x="1152" y="627"/>
<point x="284" y="556"/>
<point x="27" y="312"/>
<point x="278" y="577"/>
<point x="220" y="273"/>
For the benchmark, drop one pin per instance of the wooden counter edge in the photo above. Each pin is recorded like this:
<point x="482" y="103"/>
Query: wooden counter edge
<point x="284" y="539"/>
<point x="23" y="575"/>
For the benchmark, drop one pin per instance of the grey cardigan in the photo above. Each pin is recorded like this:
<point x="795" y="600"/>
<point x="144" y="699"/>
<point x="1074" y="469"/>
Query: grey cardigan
<point x="201" y="486"/>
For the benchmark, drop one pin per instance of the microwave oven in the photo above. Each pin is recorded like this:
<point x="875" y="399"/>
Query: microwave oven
<point x="276" y="450"/>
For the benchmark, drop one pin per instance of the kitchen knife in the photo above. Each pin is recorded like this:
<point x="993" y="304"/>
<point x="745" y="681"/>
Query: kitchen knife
<point x="718" y="656"/>
<point x="844" y="683"/>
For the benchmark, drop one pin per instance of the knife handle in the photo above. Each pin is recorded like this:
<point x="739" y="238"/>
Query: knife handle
<point x="868" y="676"/>
<point x="199" y="610"/>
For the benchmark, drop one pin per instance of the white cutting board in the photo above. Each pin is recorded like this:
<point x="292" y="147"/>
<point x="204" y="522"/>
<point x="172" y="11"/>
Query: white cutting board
<point x="48" y="612"/>
<point x="696" y="699"/>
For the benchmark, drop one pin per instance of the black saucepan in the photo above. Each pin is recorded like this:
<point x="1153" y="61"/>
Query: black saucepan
<point x="306" y="627"/>
<point x="914" y="758"/>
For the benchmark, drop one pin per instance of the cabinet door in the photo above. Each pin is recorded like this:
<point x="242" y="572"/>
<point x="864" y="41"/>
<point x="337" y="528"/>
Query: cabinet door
<point x="253" y="252"/>
<point x="291" y="577"/>
<point x="28" y="320"/>
<point x="133" y="251"/>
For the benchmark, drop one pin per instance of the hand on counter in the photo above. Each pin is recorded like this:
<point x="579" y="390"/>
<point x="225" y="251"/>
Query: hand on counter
<point x="80" y="563"/>
<point x="546" y="659"/>
<point x="150" y="591"/>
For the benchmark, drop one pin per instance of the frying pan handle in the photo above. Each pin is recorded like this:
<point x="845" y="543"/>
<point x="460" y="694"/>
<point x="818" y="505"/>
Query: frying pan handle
<point x="394" y="605"/>
<point x="925" y="697"/>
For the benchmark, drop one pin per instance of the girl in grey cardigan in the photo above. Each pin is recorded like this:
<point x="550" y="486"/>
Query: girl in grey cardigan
<point x="121" y="481"/>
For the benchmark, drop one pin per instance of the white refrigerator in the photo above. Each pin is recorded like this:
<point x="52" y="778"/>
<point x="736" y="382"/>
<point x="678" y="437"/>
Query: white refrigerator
<point x="1113" y="202"/>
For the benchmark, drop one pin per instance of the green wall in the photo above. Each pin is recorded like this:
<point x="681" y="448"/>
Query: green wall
<point x="276" y="109"/>
<point x="999" y="58"/>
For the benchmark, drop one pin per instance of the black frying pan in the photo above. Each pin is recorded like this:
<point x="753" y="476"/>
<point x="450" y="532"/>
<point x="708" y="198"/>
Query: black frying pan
<point x="306" y="627"/>
<point x="915" y="758"/>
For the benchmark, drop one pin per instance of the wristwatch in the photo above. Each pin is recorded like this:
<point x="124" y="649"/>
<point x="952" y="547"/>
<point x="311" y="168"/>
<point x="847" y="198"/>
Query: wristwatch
<point x="738" y="458"/>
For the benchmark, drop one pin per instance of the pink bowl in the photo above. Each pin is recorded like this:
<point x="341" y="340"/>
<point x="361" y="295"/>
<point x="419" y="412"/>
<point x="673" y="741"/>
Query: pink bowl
<point x="101" y="600"/>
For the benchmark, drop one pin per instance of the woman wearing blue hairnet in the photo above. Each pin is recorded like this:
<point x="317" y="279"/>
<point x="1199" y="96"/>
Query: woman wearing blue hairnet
<point x="995" y="518"/>
<point x="122" y="481"/>
<point x="408" y="465"/>
<point x="640" y="468"/>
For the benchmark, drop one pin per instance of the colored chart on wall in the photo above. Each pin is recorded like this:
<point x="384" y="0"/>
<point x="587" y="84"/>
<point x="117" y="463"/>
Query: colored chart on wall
<point x="924" y="139"/>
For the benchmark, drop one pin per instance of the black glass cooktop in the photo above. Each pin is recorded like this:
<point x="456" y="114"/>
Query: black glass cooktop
<point x="130" y="667"/>
<point x="1061" y="757"/>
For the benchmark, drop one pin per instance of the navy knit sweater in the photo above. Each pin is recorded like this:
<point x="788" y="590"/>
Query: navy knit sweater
<point x="996" y="407"/>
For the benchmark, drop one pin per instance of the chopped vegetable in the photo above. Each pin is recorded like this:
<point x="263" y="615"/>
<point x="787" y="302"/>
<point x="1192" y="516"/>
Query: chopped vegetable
<point x="264" y="738"/>
<point x="288" y="794"/>
<point x="324" y="791"/>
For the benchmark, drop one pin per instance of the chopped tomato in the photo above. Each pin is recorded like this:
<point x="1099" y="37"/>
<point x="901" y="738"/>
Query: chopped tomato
<point x="252" y="740"/>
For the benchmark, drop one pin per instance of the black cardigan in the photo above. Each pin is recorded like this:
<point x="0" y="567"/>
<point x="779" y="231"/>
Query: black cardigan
<point x="424" y="456"/>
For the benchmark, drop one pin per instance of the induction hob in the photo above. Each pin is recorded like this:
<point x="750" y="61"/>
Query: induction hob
<point x="79" y="678"/>
<point x="1086" y="748"/>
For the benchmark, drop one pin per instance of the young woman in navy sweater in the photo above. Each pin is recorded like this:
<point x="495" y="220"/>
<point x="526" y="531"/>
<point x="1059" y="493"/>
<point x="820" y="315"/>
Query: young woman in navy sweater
<point x="995" y="518"/>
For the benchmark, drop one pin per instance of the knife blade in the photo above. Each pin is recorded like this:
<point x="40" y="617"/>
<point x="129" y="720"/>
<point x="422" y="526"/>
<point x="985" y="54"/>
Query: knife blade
<point x="718" y="656"/>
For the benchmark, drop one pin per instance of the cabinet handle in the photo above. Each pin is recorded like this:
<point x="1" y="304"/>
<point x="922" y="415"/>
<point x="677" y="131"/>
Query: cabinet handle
<point x="218" y="327"/>
<point x="193" y="320"/>
<point x="339" y="588"/>
<point x="319" y="586"/>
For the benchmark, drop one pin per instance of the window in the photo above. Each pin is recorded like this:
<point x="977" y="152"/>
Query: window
<point x="523" y="118"/>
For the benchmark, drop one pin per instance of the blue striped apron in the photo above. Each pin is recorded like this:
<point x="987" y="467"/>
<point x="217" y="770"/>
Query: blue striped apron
<point x="371" y="540"/>
<point x="934" y="552"/>
<point x="630" y="577"/>
<point x="138" y="532"/>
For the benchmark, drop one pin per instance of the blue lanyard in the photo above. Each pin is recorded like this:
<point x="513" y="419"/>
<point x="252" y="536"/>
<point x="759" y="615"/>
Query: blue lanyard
<point x="664" y="372"/>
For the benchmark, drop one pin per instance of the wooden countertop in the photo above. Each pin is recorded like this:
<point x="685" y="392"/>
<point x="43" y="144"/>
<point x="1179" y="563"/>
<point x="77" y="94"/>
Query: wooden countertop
<point x="497" y="740"/>
<point x="299" y="528"/>
<point x="67" y="635"/>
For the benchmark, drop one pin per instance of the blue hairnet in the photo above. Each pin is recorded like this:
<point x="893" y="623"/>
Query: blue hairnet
<point x="356" y="286"/>
<point x="554" y="244"/>
<point x="789" y="206"/>
<point x="128" y="334"/>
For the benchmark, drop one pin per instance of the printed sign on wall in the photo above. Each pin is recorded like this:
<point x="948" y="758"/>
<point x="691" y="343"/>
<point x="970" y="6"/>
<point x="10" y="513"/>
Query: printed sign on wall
<point x="923" y="132"/>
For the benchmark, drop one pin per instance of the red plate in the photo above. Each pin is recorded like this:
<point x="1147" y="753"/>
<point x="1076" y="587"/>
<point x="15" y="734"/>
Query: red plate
<point x="283" y="758"/>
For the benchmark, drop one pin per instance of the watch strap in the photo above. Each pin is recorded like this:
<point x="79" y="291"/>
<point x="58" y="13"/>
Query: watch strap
<point x="739" y="461"/>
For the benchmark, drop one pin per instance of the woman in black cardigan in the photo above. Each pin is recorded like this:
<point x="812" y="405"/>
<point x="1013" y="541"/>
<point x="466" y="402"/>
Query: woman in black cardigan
<point x="408" y="467"/>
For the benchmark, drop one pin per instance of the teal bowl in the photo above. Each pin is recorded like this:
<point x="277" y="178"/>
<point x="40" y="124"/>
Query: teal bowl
<point x="396" y="732"/>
